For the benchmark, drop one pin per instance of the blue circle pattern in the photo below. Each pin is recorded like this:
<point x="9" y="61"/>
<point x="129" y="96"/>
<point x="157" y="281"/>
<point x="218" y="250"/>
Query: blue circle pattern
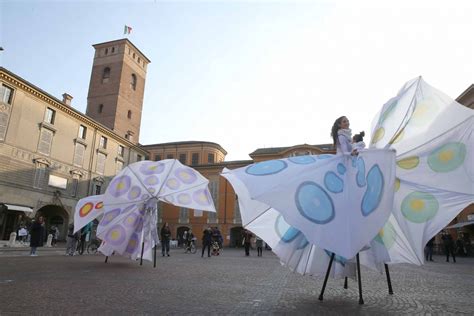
<point x="303" y="243"/>
<point x="266" y="168"/>
<point x="333" y="183"/>
<point x="286" y="232"/>
<point x="302" y="160"/>
<point x="373" y="194"/>
<point x="325" y="156"/>
<point x="307" y="194"/>
<point x="337" y="258"/>
<point x="341" y="169"/>
<point x="359" y="164"/>
<point x="290" y="234"/>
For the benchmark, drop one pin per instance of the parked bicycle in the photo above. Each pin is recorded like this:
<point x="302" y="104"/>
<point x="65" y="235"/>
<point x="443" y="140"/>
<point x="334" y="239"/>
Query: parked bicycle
<point x="93" y="246"/>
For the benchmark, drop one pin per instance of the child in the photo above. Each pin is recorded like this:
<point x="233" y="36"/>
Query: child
<point x="358" y="141"/>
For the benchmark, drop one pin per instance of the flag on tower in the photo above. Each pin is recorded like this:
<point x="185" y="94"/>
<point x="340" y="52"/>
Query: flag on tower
<point x="127" y="30"/>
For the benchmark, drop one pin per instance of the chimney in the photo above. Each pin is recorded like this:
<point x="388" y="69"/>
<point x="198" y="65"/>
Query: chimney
<point x="67" y="99"/>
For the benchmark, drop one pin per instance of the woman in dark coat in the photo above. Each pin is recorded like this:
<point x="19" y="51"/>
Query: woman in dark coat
<point x="37" y="235"/>
<point x="165" y="239"/>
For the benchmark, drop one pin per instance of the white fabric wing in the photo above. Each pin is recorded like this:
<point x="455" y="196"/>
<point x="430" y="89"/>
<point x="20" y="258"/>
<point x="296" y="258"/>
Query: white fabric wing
<point x="88" y="209"/>
<point x="435" y="166"/>
<point x="338" y="202"/>
<point x="131" y="199"/>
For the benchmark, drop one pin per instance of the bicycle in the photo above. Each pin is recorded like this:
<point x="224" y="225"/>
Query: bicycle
<point x="93" y="246"/>
<point x="190" y="247"/>
<point x="80" y="247"/>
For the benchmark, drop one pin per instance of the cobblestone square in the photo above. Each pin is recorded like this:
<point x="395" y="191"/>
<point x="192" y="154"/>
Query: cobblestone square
<point x="230" y="284"/>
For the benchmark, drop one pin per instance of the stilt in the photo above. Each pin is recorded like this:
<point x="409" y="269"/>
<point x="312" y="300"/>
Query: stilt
<point x="345" y="282"/>
<point x="361" y="300"/>
<point x="389" y="282"/>
<point x="106" y="258"/>
<point x="326" y="278"/>
<point x="154" y="257"/>
<point x="141" y="256"/>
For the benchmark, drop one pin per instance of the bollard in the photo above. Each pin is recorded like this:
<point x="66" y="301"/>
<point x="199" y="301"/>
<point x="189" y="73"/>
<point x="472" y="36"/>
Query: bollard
<point x="49" y="241"/>
<point x="11" y="241"/>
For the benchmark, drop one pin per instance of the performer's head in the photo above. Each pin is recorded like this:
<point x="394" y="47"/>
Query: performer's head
<point x="341" y="123"/>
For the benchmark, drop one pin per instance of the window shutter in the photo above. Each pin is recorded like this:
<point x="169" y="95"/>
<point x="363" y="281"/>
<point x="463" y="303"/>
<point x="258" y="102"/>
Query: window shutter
<point x="4" y="115"/>
<point x="79" y="154"/>
<point x="100" y="163"/>
<point x="46" y="138"/>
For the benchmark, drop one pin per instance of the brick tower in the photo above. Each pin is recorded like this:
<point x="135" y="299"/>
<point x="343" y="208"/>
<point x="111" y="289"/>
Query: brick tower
<point x="116" y="88"/>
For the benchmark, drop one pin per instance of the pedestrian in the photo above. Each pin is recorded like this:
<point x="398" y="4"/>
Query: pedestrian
<point x="206" y="241"/>
<point x="429" y="249"/>
<point x="259" y="244"/>
<point x="71" y="240"/>
<point x="217" y="236"/>
<point x="37" y="235"/>
<point x="54" y="231"/>
<point x="460" y="247"/>
<point x="358" y="141"/>
<point x="247" y="236"/>
<point x="342" y="137"/>
<point x="165" y="239"/>
<point x="189" y="240"/>
<point x="184" y="239"/>
<point x="448" y="246"/>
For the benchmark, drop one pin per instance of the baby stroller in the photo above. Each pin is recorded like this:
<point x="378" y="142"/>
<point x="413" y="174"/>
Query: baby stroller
<point x="215" y="248"/>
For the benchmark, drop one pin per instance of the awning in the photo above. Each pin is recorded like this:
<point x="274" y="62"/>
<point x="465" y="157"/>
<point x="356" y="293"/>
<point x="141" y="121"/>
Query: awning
<point x="20" y="208"/>
<point x="459" y="225"/>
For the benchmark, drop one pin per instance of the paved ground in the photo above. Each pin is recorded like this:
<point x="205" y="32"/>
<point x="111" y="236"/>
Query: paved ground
<point x="229" y="284"/>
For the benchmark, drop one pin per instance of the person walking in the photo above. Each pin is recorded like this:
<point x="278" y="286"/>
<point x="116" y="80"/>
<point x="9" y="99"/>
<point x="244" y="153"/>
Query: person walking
<point x="37" y="235"/>
<point x="448" y="246"/>
<point x="429" y="249"/>
<point x="259" y="245"/>
<point x="71" y="240"/>
<point x="165" y="239"/>
<point x="206" y="241"/>
<point x="247" y="235"/>
<point x="54" y="231"/>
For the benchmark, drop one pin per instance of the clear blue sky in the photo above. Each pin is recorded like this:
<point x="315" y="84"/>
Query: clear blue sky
<point x="247" y="74"/>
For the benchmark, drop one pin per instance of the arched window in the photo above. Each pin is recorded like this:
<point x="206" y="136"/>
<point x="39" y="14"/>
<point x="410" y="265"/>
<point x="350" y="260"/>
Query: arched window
<point x="113" y="49"/>
<point x="106" y="51"/>
<point x="133" y="82"/>
<point x="101" y="108"/>
<point x="129" y="114"/>
<point x="106" y="75"/>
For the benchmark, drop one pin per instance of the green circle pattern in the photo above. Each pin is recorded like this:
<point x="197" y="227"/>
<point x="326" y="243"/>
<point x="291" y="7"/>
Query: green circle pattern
<point x="419" y="207"/>
<point x="386" y="236"/>
<point x="447" y="157"/>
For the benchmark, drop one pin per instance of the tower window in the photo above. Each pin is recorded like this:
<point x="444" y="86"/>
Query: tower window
<point x="101" y="108"/>
<point x="129" y="114"/>
<point x="133" y="55"/>
<point x="133" y="82"/>
<point x="106" y="75"/>
<point x="138" y="59"/>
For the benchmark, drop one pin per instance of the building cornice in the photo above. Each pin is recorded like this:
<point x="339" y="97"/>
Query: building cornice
<point x="191" y="143"/>
<point x="24" y="85"/>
